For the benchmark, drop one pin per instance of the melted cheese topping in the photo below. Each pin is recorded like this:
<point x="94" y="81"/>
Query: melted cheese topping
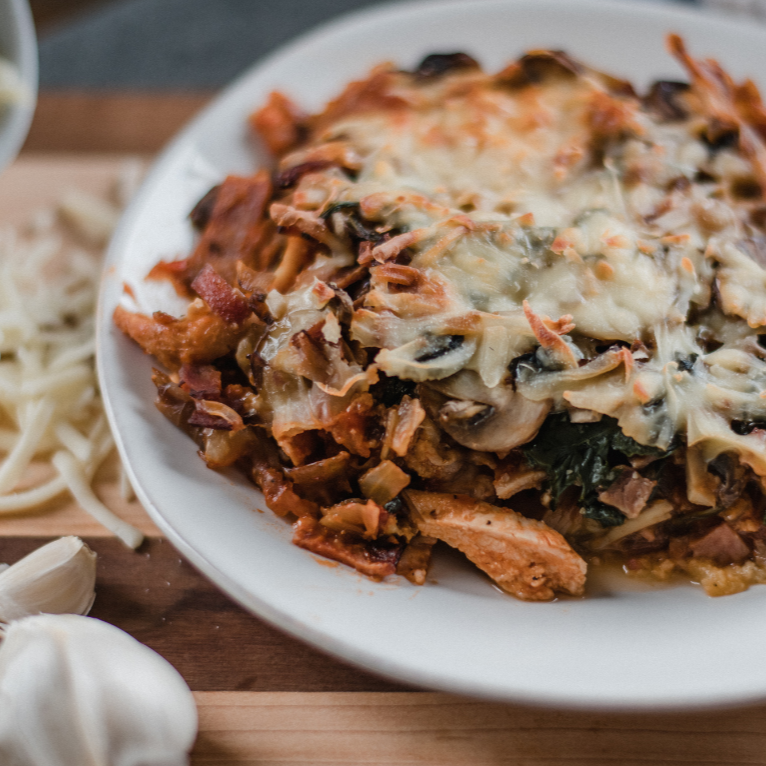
<point x="560" y="204"/>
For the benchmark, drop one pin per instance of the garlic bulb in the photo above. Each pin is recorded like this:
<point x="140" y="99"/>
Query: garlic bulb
<point x="57" y="578"/>
<point x="75" y="691"/>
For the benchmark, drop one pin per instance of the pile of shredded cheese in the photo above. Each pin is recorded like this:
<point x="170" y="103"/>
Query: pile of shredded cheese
<point x="50" y="407"/>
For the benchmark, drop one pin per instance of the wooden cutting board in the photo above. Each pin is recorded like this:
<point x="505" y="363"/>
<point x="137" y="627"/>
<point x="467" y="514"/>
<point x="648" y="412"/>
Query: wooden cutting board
<point x="265" y="698"/>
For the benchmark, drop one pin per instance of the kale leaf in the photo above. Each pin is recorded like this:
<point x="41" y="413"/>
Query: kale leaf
<point x="584" y="455"/>
<point x="606" y="515"/>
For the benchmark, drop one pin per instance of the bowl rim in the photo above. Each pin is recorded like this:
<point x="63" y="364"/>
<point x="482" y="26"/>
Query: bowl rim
<point x="25" y="58"/>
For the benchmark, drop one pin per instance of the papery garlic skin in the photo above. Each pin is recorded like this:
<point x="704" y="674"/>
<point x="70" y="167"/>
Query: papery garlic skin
<point x="75" y="691"/>
<point x="58" y="578"/>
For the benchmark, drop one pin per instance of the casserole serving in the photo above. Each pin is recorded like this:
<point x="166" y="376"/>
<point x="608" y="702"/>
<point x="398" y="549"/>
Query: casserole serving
<point x="517" y="312"/>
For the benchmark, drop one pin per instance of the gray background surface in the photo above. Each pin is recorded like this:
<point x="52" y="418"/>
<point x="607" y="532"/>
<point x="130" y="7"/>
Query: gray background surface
<point x="175" y="44"/>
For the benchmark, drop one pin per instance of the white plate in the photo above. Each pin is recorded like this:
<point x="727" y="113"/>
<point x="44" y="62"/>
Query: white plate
<point x="622" y="647"/>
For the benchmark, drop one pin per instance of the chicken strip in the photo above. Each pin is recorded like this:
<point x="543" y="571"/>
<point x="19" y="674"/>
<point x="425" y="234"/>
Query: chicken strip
<point x="523" y="556"/>
<point x="198" y="338"/>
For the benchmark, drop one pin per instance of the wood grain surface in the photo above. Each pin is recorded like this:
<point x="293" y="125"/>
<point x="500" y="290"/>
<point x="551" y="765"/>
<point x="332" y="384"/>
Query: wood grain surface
<point x="266" y="699"/>
<point x="441" y="730"/>
<point x="109" y="122"/>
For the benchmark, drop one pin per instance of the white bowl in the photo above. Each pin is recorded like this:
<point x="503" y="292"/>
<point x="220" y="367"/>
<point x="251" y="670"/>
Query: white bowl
<point x="624" y="646"/>
<point x="18" y="45"/>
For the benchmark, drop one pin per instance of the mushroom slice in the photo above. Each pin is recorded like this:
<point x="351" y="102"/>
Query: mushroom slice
<point x="523" y="556"/>
<point x="481" y="418"/>
<point x="428" y="357"/>
<point x="541" y="385"/>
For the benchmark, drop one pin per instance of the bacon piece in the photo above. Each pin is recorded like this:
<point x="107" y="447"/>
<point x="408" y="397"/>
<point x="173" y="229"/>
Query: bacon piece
<point x="280" y="123"/>
<point x="198" y="338"/>
<point x="222" y="298"/>
<point x="352" y="427"/>
<point x="722" y="545"/>
<point x="202" y="381"/>
<point x="373" y="559"/>
<point x="215" y="415"/>
<point x="267" y="472"/>
<point x="629" y="493"/>
<point x="523" y="556"/>
<point x="236" y="230"/>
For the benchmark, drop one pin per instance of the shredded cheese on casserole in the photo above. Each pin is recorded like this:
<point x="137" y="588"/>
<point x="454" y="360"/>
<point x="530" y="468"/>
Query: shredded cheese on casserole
<point x="495" y="194"/>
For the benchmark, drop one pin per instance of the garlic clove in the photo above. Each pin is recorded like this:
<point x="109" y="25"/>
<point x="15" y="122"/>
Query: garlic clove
<point x="75" y="691"/>
<point x="57" y="578"/>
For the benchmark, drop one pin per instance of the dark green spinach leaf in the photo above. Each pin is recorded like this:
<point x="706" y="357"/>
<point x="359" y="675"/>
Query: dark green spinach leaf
<point x="584" y="455"/>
